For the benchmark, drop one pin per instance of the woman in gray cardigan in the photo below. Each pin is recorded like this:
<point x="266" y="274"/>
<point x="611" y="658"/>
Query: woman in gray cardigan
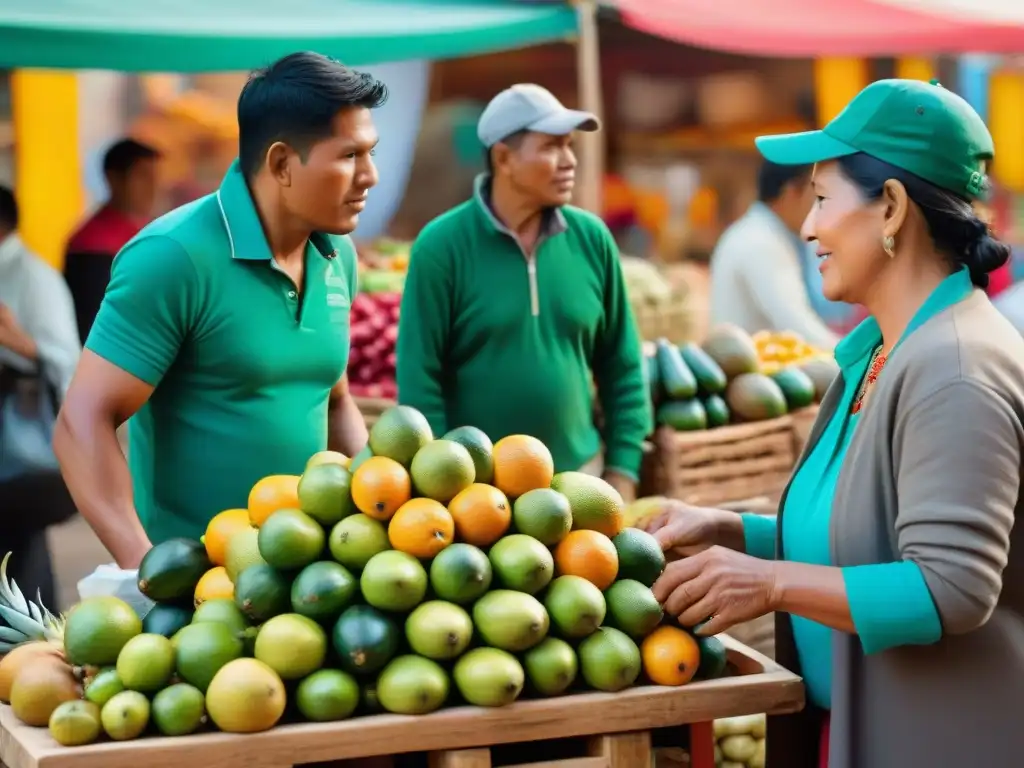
<point x="890" y="563"/>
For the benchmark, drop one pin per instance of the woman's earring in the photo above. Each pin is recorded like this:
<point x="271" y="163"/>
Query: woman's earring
<point x="889" y="246"/>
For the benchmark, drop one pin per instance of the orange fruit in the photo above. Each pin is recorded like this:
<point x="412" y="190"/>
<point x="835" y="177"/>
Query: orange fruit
<point x="219" y="531"/>
<point x="521" y="463"/>
<point x="671" y="656"/>
<point x="421" y="528"/>
<point x="380" y="486"/>
<point x="588" y="554"/>
<point x="271" y="494"/>
<point x="481" y="513"/>
<point x="214" y="583"/>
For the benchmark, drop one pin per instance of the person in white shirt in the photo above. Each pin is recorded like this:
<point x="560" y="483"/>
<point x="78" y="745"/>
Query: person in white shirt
<point x="757" y="279"/>
<point x="39" y="350"/>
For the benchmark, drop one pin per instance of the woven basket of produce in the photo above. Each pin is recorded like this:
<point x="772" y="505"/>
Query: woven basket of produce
<point x="725" y="416"/>
<point x="660" y="308"/>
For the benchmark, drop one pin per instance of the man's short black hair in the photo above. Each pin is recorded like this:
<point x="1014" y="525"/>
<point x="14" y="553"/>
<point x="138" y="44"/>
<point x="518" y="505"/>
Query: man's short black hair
<point x="8" y="209"/>
<point x="294" y="100"/>
<point x="124" y="154"/>
<point x="772" y="179"/>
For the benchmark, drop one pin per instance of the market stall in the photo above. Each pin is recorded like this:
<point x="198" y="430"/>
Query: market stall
<point x="446" y="595"/>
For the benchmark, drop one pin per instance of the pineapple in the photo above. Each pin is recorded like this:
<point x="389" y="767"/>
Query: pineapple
<point x="27" y="620"/>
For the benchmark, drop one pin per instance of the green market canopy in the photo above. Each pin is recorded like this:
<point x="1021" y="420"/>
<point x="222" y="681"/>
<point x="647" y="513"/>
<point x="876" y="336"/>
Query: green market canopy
<point x="222" y="35"/>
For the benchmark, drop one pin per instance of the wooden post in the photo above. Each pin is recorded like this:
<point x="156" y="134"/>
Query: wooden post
<point x="588" y="73"/>
<point x="702" y="745"/>
<point x="623" y="750"/>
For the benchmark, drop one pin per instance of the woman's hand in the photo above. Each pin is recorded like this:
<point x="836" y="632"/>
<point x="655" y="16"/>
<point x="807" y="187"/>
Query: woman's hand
<point x="719" y="587"/>
<point x="683" y="529"/>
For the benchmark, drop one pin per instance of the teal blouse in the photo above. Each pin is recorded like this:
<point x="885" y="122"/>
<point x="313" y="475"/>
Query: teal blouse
<point x="889" y="602"/>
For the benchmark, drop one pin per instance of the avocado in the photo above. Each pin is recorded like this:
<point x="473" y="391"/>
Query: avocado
<point x="822" y="371"/>
<point x="170" y="571"/>
<point x="683" y="415"/>
<point x="717" y="411"/>
<point x="709" y="374"/>
<point x="365" y="639"/>
<point x="676" y="379"/>
<point x="755" y="397"/>
<point x="262" y="592"/>
<point x="733" y="349"/>
<point x="653" y="378"/>
<point x="713" y="658"/>
<point x="166" y="619"/>
<point x="797" y="386"/>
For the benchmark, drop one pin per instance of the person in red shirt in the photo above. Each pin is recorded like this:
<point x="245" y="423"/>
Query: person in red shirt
<point x="130" y="169"/>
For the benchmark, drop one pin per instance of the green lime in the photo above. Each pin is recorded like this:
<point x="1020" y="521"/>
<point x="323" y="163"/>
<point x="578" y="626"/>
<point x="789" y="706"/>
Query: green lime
<point x="489" y="677"/>
<point x="125" y="716"/>
<point x="460" y="573"/>
<point x="393" y="581"/>
<point x="522" y="563"/>
<point x="325" y="493"/>
<point x="326" y="695"/>
<point x="633" y="608"/>
<point x="222" y="610"/>
<point x="291" y="645"/>
<point x="609" y="660"/>
<point x="551" y="666"/>
<point x="103" y="687"/>
<point x="576" y="606"/>
<point x="290" y="539"/>
<point x="439" y="630"/>
<point x="640" y="556"/>
<point x="179" y="710"/>
<point x="543" y="514"/>
<point x="75" y="723"/>
<point x="356" y="539"/>
<point x="480" y="450"/>
<point x="146" y="663"/>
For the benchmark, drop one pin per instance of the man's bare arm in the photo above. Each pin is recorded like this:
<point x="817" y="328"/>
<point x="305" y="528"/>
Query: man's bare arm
<point x="346" y="427"/>
<point x="101" y="398"/>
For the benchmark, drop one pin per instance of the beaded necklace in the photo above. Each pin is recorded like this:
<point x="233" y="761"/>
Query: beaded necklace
<point x="874" y="370"/>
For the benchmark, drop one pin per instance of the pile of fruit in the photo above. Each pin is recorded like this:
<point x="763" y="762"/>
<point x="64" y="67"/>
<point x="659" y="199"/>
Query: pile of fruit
<point x="724" y="381"/>
<point x="421" y="573"/>
<point x="777" y="350"/>
<point x="374" y="332"/>
<point x="382" y="266"/>
<point x="739" y="741"/>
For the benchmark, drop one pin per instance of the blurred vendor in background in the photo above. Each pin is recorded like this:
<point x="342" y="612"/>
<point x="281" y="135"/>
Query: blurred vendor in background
<point x="515" y="298"/>
<point x="758" y="266"/>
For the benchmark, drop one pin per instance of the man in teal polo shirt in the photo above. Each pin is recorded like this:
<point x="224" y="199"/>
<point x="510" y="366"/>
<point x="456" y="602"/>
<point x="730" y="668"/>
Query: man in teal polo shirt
<point x="514" y="299"/>
<point x="224" y="333"/>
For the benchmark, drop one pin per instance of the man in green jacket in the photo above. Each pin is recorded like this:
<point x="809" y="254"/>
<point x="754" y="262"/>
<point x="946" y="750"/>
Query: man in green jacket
<point x="515" y="298"/>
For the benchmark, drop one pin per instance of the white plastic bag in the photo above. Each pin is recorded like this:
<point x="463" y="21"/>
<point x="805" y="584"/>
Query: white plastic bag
<point x="111" y="581"/>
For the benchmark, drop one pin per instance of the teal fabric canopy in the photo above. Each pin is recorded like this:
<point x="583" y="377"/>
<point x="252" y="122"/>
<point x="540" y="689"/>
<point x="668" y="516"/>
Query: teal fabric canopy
<point x="223" y="35"/>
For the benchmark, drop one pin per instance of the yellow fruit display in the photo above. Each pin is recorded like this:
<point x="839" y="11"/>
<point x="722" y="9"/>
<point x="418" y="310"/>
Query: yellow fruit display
<point x="780" y="349"/>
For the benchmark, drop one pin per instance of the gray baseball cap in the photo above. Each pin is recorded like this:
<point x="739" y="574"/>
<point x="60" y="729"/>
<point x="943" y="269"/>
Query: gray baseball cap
<point x="528" y="107"/>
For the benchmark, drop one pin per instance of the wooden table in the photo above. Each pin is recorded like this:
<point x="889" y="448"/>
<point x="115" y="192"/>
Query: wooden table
<point x="618" y="725"/>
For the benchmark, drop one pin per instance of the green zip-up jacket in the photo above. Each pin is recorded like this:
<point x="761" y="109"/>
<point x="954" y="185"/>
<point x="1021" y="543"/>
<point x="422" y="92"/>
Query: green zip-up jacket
<point x="505" y="341"/>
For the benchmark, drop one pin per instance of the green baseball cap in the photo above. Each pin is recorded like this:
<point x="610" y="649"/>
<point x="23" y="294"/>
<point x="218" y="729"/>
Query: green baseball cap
<point x="919" y="127"/>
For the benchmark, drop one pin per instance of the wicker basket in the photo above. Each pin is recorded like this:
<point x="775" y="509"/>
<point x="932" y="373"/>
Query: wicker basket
<point x="803" y="423"/>
<point x="720" y="465"/>
<point x="675" y="322"/>
<point x="372" y="408"/>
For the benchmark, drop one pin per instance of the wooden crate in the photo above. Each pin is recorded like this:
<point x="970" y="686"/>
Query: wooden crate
<point x="716" y="466"/>
<point x="372" y="408"/>
<point x="615" y="729"/>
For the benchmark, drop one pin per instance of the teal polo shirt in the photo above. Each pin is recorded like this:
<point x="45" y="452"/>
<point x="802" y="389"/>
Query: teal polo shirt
<point x="890" y="603"/>
<point x="241" y="360"/>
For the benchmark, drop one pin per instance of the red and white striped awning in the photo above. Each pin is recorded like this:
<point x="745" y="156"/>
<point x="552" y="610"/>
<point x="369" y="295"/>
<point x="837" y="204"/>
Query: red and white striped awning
<point x="833" y="27"/>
